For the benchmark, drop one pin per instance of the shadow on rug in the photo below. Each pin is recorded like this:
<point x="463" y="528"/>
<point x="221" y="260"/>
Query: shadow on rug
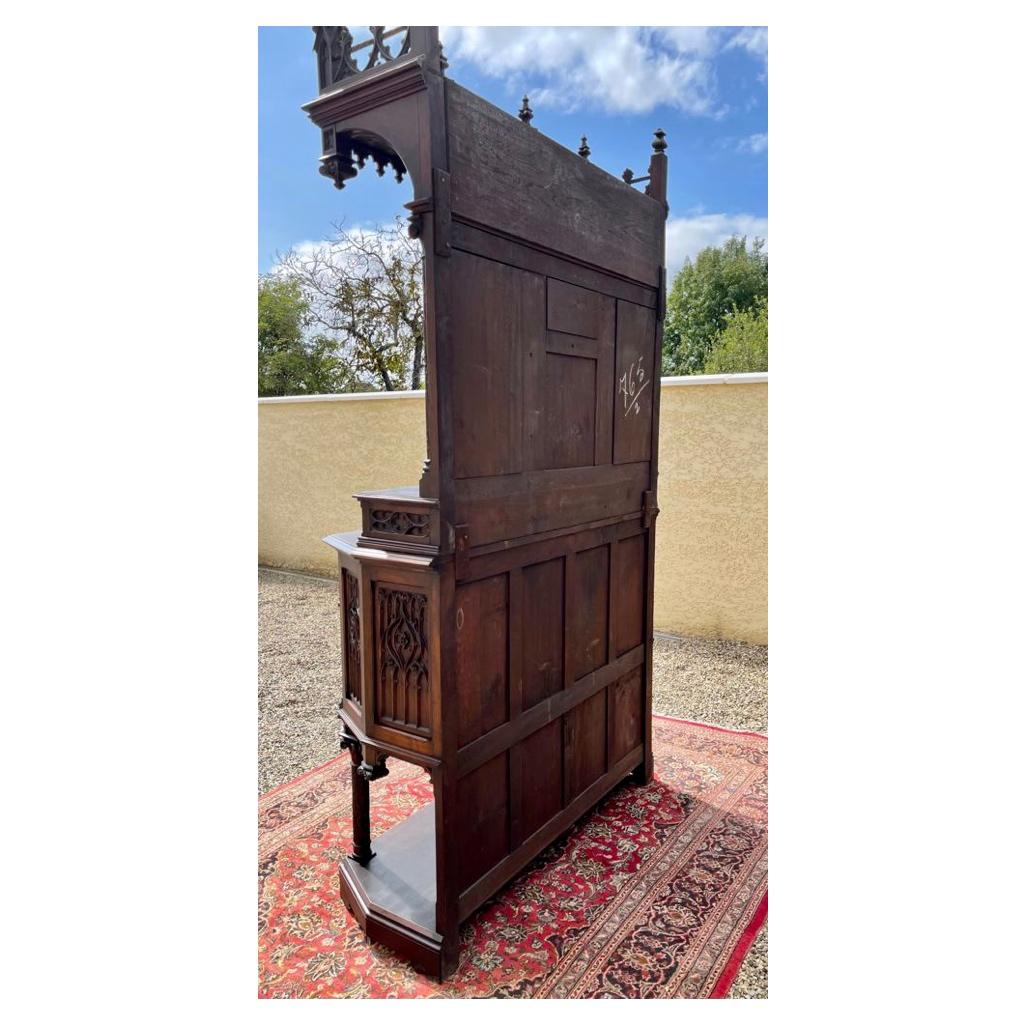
<point x="658" y="892"/>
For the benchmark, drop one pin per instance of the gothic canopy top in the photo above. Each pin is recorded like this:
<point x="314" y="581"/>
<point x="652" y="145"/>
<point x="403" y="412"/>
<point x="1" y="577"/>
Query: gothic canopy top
<point x="338" y="56"/>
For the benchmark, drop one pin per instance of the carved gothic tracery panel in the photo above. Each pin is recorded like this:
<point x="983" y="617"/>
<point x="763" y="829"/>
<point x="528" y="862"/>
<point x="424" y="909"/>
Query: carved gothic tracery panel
<point x="353" y="651"/>
<point x="406" y="524"/>
<point x="334" y="47"/>
<point x="402" y="683"/>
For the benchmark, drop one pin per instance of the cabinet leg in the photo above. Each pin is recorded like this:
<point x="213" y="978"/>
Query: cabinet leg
<point x="368" y="764"/>
<point x="361" y="851"/>
<point x="644" y="771"/>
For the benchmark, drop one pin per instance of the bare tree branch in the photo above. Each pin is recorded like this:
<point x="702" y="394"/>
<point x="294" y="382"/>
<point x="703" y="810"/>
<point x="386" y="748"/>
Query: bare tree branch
<point x="365" y="295"/>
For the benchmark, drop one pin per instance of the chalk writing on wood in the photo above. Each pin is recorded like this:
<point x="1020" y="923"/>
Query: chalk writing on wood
<point x="631" y="386"/>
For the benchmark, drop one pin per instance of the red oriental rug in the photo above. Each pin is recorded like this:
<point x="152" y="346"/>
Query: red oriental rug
<point x="658" y="892"/>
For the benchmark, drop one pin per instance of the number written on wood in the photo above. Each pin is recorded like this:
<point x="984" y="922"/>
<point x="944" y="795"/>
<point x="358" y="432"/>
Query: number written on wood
<point x="631" y="386"/>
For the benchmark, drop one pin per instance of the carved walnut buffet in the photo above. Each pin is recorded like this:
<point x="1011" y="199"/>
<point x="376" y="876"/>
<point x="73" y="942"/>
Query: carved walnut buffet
<point x="496" y="618"/>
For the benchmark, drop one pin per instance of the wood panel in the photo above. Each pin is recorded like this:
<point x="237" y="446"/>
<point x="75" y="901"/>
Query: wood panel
<point x="541" y="785"/>
<point x="504" y="508"/>
<point x="481" y="656"/>
<point x="543" y="630"/>
<point x="475" y="754"/>
<point x="495" y="244"/>
<point x="511" y="176"/>
<point x="625" y="714"/>
<point x="567" y="430"/>
<point x="585" y="744"/>
<point x="588" y="604"/>
<point x="629" y="586"/>
<point x="482" y="820"/>
<point x="575" y="310"/>
<point x="494" y="311"/>
<point x="635" y="381"/>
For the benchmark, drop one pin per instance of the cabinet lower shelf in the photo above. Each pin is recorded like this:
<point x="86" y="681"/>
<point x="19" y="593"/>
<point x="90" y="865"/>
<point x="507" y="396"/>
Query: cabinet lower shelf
<point x="394" y="896"/>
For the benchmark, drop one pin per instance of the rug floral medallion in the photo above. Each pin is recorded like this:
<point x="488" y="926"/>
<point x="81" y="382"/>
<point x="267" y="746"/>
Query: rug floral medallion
<point x="657" y="893"/>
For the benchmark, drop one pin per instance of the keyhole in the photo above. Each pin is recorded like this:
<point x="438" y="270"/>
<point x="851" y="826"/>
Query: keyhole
<point x="459" y="619"/>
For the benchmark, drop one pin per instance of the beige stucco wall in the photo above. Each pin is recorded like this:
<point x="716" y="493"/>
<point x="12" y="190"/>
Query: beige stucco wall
<point x="711" y="556"/>
<point x="314" y="456"/>
<point x="711" y="573"/>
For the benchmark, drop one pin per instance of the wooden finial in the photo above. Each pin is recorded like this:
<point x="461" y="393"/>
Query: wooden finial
<point x="584" y="150"/>
<point x="525" y="113"/>
<point x="659" y="145"/>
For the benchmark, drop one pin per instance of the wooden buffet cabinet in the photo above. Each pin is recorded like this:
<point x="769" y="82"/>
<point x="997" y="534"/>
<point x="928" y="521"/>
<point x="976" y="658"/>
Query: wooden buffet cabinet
<point x="496" y="618"/>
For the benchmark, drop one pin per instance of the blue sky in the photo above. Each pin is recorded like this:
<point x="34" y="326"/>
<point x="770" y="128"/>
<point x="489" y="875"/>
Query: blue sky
<point x="706" y="87"/>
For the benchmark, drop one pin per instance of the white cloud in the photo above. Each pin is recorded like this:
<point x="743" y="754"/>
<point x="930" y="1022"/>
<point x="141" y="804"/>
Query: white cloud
<point x="686" y="236"/>
<point x="754" y="143"/>
<point x="753" y="40"/>
<point x="620" y="70"/>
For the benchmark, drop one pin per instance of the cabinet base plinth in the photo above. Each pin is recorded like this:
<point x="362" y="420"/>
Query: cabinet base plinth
<point x="393" y="895"/>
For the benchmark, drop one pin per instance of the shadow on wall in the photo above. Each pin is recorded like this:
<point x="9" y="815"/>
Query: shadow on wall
<point x="711" y="573"/>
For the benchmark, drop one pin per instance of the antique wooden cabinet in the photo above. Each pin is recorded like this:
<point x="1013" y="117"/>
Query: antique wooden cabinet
<point x="496" y="617"/>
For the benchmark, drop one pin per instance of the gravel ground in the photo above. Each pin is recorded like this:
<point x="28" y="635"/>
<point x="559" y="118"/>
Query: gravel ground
<point x="715" y="681"/>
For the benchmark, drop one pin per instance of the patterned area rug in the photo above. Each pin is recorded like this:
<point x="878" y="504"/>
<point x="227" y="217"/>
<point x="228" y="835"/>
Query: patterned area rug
<point x="658" y="892"/>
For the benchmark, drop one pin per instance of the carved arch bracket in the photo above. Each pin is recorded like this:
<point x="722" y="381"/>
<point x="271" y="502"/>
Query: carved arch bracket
<point x="344" y="155"/>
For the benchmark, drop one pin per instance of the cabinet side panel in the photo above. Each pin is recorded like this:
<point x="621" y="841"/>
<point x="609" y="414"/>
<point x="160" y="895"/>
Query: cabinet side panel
<point x="635" y="380"/>
<point x="481" y="656"/>
<point x="350" y="635"/>
<point x="482" y="820"/>
<point x="402" y="684"/>
<point x="625" y="716"/>
<point x="541" y="795"/>
<point x="585" y="744"/>
<point x="494" y="310"/>
<point x="589" y="616"/>
<point x="543" y="630"/>
<point x="630" y="588"/>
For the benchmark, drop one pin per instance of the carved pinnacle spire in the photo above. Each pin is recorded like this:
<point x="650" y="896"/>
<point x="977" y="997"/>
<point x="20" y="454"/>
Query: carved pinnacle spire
<point x="525" y="113"/>
<point x="584" y="150"/>
<point x="659" y="145"/>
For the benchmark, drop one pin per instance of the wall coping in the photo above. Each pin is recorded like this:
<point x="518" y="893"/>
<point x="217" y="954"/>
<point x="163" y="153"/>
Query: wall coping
<point x="368" y="396"/>
<point x="358" y="396"/>
<point x="715" y="378"/>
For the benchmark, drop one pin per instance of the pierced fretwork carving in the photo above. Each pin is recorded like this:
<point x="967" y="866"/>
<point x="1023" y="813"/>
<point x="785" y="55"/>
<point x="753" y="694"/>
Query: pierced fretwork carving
<point x="334" y="50"/>
<point x="402" y="696"/>
<point x="406" y="524"/>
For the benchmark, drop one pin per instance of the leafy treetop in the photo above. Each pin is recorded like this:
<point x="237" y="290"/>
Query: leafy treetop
<point x="721" y="281"/>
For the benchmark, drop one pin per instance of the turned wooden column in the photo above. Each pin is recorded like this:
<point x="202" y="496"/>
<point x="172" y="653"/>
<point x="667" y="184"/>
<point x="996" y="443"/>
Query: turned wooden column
<point x="366" y="766"/>
<point x="361" y="851"/>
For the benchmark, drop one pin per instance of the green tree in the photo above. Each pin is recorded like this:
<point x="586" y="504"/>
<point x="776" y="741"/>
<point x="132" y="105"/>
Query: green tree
<point x="722" y="280"/>
<point x="289" y="363"/>
<point x="363" y="289"/>
<point x="742" y="347"/>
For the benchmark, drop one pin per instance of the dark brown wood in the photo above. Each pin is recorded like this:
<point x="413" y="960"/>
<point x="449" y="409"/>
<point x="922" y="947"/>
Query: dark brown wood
<point x="512" y="176"/>
<point x="497" y="618"/>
